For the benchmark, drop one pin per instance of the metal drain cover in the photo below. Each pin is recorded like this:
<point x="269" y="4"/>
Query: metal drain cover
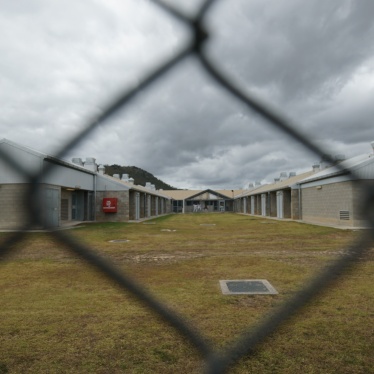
<point x="247" y="287"/>
<point x="119" y="241"/>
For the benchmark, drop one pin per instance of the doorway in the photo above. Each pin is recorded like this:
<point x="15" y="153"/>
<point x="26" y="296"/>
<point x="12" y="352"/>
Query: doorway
<point x="51" y="218"/>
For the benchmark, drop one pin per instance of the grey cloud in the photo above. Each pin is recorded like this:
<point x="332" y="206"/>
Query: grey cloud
<point x="261" y="161"/>
<point x="302" y="48"/>
<point x="61" y="64"/>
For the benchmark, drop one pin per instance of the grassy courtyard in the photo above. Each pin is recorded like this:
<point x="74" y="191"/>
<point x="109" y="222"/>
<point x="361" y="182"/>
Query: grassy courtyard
<point x="59" y="315"/>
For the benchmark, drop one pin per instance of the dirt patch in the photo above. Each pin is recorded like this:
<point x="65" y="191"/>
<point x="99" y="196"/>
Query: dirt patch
<point x="161" y="258"/>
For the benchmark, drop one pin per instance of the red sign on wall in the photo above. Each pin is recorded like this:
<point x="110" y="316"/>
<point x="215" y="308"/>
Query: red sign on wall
<point x="110" y="205"/>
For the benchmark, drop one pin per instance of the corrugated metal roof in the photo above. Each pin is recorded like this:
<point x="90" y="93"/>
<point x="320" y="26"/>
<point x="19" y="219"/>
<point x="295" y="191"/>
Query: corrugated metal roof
<point x="22" y="147"/>
<point x="135" y="187"/>
<point x="229" y="193"/>
<point x="287" y="183"/>
<point x="361" y="165"/>
<point x="181" y="194"/>
<point x="45" y="156"/>
<point x="248" y="192"/>
<point x="186" y="194"/>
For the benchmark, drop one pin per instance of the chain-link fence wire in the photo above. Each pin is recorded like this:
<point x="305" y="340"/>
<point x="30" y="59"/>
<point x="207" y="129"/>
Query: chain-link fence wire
<point x="216" y="361"/>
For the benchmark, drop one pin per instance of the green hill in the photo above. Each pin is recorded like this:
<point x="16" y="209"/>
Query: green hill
<point x="140" y="176"/>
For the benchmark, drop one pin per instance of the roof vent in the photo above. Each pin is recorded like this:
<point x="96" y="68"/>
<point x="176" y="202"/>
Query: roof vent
<point x="257" y="183"/>
<point x="148" y="185"/>
<point x="325" y="161"/>
<point x="339" y="158"/>
<point x="116" y="176"/>
<point x="101" y="169"/>
<point x="316" y="167"/>
<point x="131" y="180"/>
<point x="250" y="185"/>
<point x="125" y="177"/>
<point x="283" y="176"/>
<point x="77" y="161"/>
<point x="276" y="180"/>
<point x="90" y="164"/>
<point x="292" y="174"/>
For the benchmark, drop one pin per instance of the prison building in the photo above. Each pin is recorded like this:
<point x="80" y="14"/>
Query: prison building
<point x="326" y="195"/>
<point x="81" y="191"/>
<point x="279" y="199"/>
<point x="76" y="191"/>
<point x="333" y="197"/>
<point x="186" y="201"/>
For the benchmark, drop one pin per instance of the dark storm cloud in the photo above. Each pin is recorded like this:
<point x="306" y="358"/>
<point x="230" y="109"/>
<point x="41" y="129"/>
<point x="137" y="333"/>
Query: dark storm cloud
<point x="61" y="64"/>
<point x="297" y="48"/>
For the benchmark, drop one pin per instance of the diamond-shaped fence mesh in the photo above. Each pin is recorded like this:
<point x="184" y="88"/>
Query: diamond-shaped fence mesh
<point x="216" y="362"/>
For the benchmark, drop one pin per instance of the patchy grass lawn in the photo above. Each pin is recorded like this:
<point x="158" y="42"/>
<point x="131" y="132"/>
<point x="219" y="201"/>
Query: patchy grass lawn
<point x="61" y="316"/>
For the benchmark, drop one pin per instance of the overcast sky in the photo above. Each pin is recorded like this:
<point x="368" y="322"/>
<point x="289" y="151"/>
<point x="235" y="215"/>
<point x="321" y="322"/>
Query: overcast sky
<point x="62" y="61"/>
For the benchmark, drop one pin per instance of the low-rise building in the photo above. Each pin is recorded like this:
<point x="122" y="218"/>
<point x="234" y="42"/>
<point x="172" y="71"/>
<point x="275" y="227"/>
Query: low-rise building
<point x="189" y="201"/>
<point x="278" y="199"/>
<point x="333" y="196"/>
<point x="80" y="191"/>
<point x="329" y="194"/>
<point x="77" y="191"/>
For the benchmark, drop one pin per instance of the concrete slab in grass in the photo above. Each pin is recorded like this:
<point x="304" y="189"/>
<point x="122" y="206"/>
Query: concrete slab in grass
<point x="247" y="287"/>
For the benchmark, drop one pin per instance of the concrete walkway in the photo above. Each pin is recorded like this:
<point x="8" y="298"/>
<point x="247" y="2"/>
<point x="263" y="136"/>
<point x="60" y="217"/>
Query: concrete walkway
<point x="305" y="222"/>
<point x="66" y="225"/>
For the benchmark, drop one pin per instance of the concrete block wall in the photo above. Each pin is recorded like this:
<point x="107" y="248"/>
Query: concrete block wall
<point x="123" y="209"/>
<point x="359" y="204"/>
<point x="268" y="205"/>
<point x="164" y="205"/>
<point x="157" y="205"/>
<point x="322" y="204"/>
<point x="249" y="204"/>
<point x="272" y="199"/>
<point x="132" y="205"/>
<point x="168" y="206"/>
<point x="12" y="208"/>
<point x="246" y="205"/>
<point x="153" y="205"/>
<point x="258" y="205"/>
<point x="295" y="205"/>
<point x="143" y="204"/>
<point x="252" y="202"/>
<point x="287" y="203"/>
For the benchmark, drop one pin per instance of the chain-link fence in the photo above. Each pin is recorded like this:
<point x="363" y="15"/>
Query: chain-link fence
<point x="215" y="362"/>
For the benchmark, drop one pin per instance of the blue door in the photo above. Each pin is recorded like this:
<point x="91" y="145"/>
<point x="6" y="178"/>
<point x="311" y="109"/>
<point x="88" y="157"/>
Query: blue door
<point x="51" y="207"/>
